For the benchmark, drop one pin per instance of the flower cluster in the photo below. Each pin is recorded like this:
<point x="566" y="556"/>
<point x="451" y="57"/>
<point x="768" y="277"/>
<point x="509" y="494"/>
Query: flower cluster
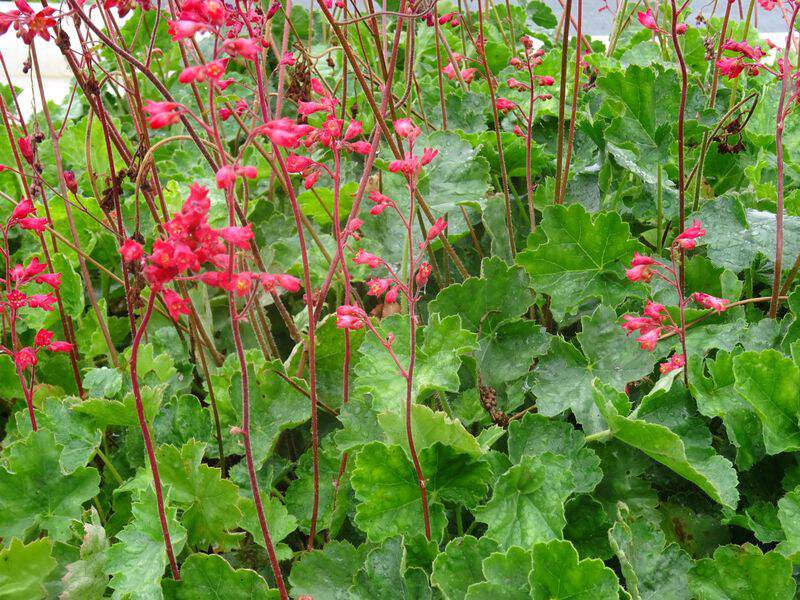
<point x="467" y="74"/>
<point x="27" y="22"/>
<point x="191" y="244"/>
<point x="655" y="320"/>
<point x="744" y="57"/>
<point x="531" y="58"/>
<point x="18" y="296"/>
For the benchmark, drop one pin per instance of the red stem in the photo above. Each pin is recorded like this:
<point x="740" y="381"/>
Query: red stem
<point x="148" y="442"/>
<point x="681" y="122"/>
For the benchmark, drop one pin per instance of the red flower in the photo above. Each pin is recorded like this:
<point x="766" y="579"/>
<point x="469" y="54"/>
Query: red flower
<point x="504" y="105"/>
<point x="653" y="310"/>
<point x="70" y="181"/>
<point x="288" y="282"/>
<point x="730" y="67"/>
<point x="247" y="48"/>
<point x="163" y="114"/>
<point x="350" y="317"/>
<point x="22" y="209"/>
<point x="25" y="357"/>
<point x="43" y="338"/>
<point x="365" y="258"/>
<point x="43" y="301"/>
<point x="712" y="302"/>
<point x="686" y="240"/>
<point x="25" y="148"/>
<point x="649" y="339"/>
<point x="545" y="80"/>
<point x="377" y="286"/>
<point x="641" y="268"/>
<point x="33" y="224"/>
<point x="428" y="154"/>
<point x="406" y="129"/>
<point x="633" y="323"/>
<point x="647" y="20"/>
<point x="423" y="273"/>
<point x="676" y="361"/>
<point x="297" y="164"/>
<point x="437" y="228"/>
<point x="59" y="346"/>
<point x="130" y="250"/>
<point x="226" y="177"/>
<point x="391" y="295"/>
<point x="51" y="279"/>
<point x="176" y="306"/>
<point x="285" y="132"/>
<point x="238" y="236"/>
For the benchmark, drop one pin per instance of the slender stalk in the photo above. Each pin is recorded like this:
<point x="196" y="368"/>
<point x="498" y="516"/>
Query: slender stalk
<point x="562" y="98"/>
<point x="681" y="124"/>
<point x="780" y="121"/>
<point x="573" y="109"/>
<point x="148" y="442"/>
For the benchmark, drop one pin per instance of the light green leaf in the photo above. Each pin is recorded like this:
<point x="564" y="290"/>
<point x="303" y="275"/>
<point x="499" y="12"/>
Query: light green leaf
<point x="85" y="579"/>
<point x="770" y="383"/>
<point x="652" y="570"/>
<point x="575" y="257"/>
<point x="535" y="434"/>
<point x="35" y="494"/>
<point x="137" y="561"/>
<point x="738" y="572"/>
<point x="459" y="566"/>
<point x="211" y="577"/>
<point x="506" y="352"/>
<point x="384" y="575"/>
<point x="559" y="575"/>
<point x="527" y="504"/>
<point x="662" y="430"/>
<point x="789" y="517"/>
<point x="24" y="568"/>
<point x="427" y="428"/>
<point x="327" y="574"/>
<point x="440" y="345"/>
<point x="506" y="577"/>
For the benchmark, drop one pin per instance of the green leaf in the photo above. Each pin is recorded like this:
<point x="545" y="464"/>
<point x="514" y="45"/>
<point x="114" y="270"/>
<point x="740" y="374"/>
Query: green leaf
<point x="789" y="517"/>
<point x="558" y="574"/>
<point x="24" y="568"/>
<point x="359" y="424"/>
<point x="581" y="258"/>
<point x="137" y="561"/>
<point x="735" y="235"/>
<point x="662" y="430"/>
<point x="102" y="382"/>
<point x="459" y="566"/>
<point x="506" y="577"/>
<point x="650" y="567"/>
<point x="440" y="345"/>
<point x="327" y="574"/>
<point x="535" y="434"/>
<point x="385" y="483"/>
<point x="427" y="428"/>
<point x="208" y="501"/>
<point x="275" y="403"/>
<point x="501" y="291"/>
<point x="563" y="377"/>
<point x="85" y="579"/>
<point x="738" y="572"/>
<point x="181" y="419"/>
<point x="122" y="413"/>
<point x="716" y="396"/>
<point x="587" y="527"/>
<point x="76" y="433"/>
<point x="71" y="288"/>
<point x="770" y="383"/>
<point x="211" y="577"/>
<point x="384" y="575"/>
<point x="35" y="494"/>
<point x="506" y="352"/>
<point x="330" y="358"/>
<point x="317" y="203"/>
<point x="279" y="522"/>
<point x="527" y="504"/>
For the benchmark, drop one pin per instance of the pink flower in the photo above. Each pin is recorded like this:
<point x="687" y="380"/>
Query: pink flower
<point x="680" y="28"/>
<point x="428" y="154"/>
<point x="247" y="48"/>
<point x="633" y="323"/>
<point x="350" y="317"/>
<point x="504" y="105"/>
<point x="238" y="236"/>
<point x="391" y="295"/>
<point x="377" y="286"/>
<point x="437" y="228"/>
<point x="297" y="164"/>
<point x="647" y="20"/>
<point x="649" y="339"/>
<point x="25" y="357"/>
<point x="676" y="361"/>
<point x="26" y="149"/>
<point x="43" y="301"/>
<point x="176" y="306"/>
<point x="226" y="177"/>
<point x="33" y="224"/>
<point x="354" y="129"/>
<point x="641" y="268"/>
<point x="744" y="49"/>
<point x="654" y="310"/>
<point x="130" y="250"/>
<point x="712" y="302"/>
<point x="288" y="59"/>
<point x="686" y="240"/>
<point x="59" y="346"/>
<point x="545" y="80"/>
<point x="309" y="108"/>
<point x="288" y="282"/>
<point x="423" y="273"/>
<point x="273" y="8"/>
<point x="730" y="67"/>
<point x="180" y="29"/>
<point x="191" y="74"/>
<point x="285" y="132"/>
<point x="163" y="114"/>
<point x="469" y="74"/>
<point x="365" y="258"/>
<point x="51" y="279"/>
<point x="22" y="209"/>
<point x="406" y="129"/>
<point x="310" y="180"/>
<point x="43" y="338"/>
<point x="247" y="171"/>
<point x="767" y="4"/>
<point x="361" y="147"/>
